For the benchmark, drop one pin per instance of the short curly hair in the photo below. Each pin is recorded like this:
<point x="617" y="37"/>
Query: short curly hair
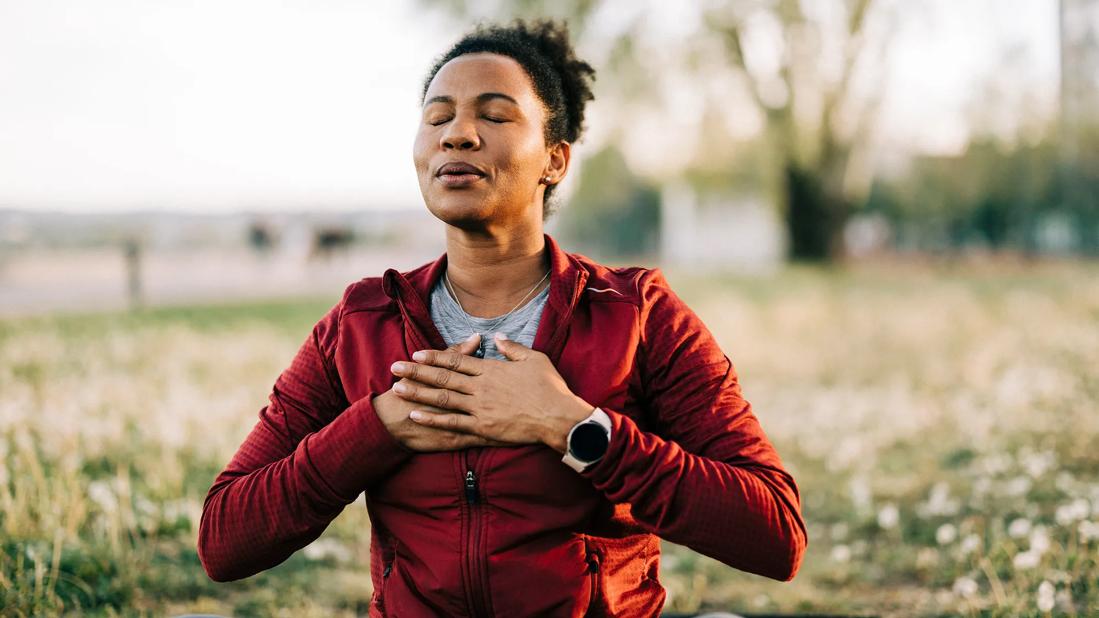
<point x="561" y="80"/>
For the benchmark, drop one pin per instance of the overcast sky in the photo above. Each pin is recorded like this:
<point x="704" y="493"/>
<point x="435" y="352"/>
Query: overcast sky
<point x="214" y="106"/>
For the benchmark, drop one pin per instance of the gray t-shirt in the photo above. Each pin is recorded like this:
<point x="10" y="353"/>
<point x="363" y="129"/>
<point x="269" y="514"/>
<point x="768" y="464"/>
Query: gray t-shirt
<point x="454" y="323"/>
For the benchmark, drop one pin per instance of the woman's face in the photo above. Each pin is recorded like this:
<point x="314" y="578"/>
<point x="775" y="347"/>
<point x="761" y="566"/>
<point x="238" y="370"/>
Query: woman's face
<point x="481" y="109"/>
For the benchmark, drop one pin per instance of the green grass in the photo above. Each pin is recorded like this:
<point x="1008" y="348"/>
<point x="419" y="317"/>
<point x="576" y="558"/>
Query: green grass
<point x="940" y="420"/>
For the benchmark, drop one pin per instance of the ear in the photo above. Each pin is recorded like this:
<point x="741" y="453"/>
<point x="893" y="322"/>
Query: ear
<point x="558" y="164"/>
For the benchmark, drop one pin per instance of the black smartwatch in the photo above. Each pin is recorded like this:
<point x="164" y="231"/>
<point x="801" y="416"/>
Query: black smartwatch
<point x="588" y="441"/>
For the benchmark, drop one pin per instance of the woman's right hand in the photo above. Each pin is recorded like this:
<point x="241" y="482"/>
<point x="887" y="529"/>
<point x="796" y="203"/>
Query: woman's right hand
<point x="393" y="411"/>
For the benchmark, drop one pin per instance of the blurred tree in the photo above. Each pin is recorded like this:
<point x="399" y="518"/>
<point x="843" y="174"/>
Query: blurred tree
<point x="613" y="213"/>
<point x="802" y="79"/>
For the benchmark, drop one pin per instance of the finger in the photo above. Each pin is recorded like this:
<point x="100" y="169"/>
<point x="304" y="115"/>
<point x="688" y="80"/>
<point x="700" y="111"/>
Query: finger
<point x="411" y="390"/>
<point x="449" y="359"/>
<point x="463" y="423"/>
<point x="468" y="346"/>
<point x="512" y="350"/>
<point x="433" y="376"/>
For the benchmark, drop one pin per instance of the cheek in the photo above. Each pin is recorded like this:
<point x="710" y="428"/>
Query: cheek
<point x="526" y="160"/>
<point x="420" y="151"/>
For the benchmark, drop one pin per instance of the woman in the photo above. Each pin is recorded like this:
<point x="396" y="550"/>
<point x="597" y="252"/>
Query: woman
<point x="532" y="474"/>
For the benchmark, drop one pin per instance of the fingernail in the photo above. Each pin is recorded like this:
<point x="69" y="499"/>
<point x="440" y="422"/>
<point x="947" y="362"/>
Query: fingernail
<point x="473" y="336"/>
<point x="416" y="415"/>
<point x="397" y="366"/>
<point x="420" y="356"/>
<point x="500" y="336"/>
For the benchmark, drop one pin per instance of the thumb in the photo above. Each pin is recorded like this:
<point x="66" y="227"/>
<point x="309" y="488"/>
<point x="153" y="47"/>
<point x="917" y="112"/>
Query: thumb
<point x="467" y="346"/>
<point x="513" y="350"/>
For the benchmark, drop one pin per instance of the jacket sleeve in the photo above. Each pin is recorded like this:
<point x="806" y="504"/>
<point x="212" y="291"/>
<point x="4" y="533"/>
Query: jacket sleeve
<point x="707" y="477"/>
<point x="309" y="455"/>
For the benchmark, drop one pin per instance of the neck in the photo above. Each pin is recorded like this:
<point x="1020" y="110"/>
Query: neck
<point x="491" y="271"/>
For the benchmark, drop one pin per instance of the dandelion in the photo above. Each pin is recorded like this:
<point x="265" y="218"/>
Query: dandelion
<point x="1073" y="511"/>
<point x="888" y="516"/>
<point x="939" y="501"/>
<point x="327" y="548"/>
<point x="1039" y="539"/>
<point x="1089" y="531"/>
<point x="1045" y="596"/>
<point x="1026" y="560"/>
<point x="841" y="553"/>
<point x="1018" y="528"/>
<point x="103" y="495"/>
<point x="1036" y="464"/>
<point x="1017" y="486"/>
<point x="965" y="587"/>
<point x="946" y="534"/>
<point x="970" y="544"/>
<point x="860" y="494"/>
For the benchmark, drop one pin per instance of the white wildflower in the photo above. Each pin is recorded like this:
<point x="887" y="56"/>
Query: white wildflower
<point x="946" y="534"/>
<point x="103" y="495"/>
<point x="1045" y="596"/>
<point x="1039" y="539"/>
<point x="965" y="587"/>
<point x="1018" y="528"/>
<point x="1026" y="560"/>
<point x="1036" y="464"/>
<point x="841" y="553"/>
<point x="327" y="548"/>
<point x="860" y="494"/>
<point x="1089" y="530"/>
<point x="1017" y="486"/>
<point x="939" y="501"/>
<point x="970" y="543"/>
<point x="1065" y="481"/>
<point x="888" y="516"/>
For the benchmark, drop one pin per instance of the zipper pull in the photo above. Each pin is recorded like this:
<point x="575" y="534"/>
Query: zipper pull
<point x="471" y="487"/>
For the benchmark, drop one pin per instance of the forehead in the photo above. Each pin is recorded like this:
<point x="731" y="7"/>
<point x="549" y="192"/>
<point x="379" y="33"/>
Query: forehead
<point x="469" y="75"/>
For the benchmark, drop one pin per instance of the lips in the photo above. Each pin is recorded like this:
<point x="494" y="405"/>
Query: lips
<point x="459" y="168"/>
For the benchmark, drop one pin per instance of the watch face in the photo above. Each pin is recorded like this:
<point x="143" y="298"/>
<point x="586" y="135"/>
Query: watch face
<point x="589" y="442"/>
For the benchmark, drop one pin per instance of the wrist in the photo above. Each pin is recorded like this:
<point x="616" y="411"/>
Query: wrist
<point x="557" y="433"/>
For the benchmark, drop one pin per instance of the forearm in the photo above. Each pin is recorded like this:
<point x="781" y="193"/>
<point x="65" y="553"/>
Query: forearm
<point x="267" y="504"/>
<point x="747" y="514"/>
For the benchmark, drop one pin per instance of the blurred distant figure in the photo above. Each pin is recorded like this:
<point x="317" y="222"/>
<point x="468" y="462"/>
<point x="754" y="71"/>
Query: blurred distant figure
<point x="262" y="237"/>
<point x="131" y="248"/>
<point x="329" y="240"/>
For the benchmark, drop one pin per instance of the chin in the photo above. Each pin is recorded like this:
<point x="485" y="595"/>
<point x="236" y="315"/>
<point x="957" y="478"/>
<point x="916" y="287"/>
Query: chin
<point x="460" y="210"/>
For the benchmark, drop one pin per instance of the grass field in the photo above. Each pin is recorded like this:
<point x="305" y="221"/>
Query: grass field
<point x="942" y="423"/>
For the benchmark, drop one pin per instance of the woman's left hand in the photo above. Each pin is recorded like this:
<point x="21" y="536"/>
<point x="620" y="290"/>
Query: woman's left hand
<point x="522" y="400"/>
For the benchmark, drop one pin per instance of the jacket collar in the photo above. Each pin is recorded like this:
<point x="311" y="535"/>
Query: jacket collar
<point x="412" y="291"/>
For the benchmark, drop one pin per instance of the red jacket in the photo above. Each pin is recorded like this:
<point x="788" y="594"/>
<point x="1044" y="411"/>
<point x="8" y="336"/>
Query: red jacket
<point x="513" y="531"/>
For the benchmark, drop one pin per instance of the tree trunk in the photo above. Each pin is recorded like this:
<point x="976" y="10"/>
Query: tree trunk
<point x="814" y="216"/>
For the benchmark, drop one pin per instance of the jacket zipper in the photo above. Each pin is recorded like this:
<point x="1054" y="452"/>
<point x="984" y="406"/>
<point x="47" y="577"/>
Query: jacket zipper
<point x="473" y="558"/>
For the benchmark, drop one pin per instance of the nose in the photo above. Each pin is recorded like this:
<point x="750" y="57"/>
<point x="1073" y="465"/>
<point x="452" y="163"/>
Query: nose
<point x="460" y="134"/>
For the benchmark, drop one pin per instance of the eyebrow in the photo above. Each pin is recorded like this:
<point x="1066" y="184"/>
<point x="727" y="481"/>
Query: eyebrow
<point x="481" y="98"/>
